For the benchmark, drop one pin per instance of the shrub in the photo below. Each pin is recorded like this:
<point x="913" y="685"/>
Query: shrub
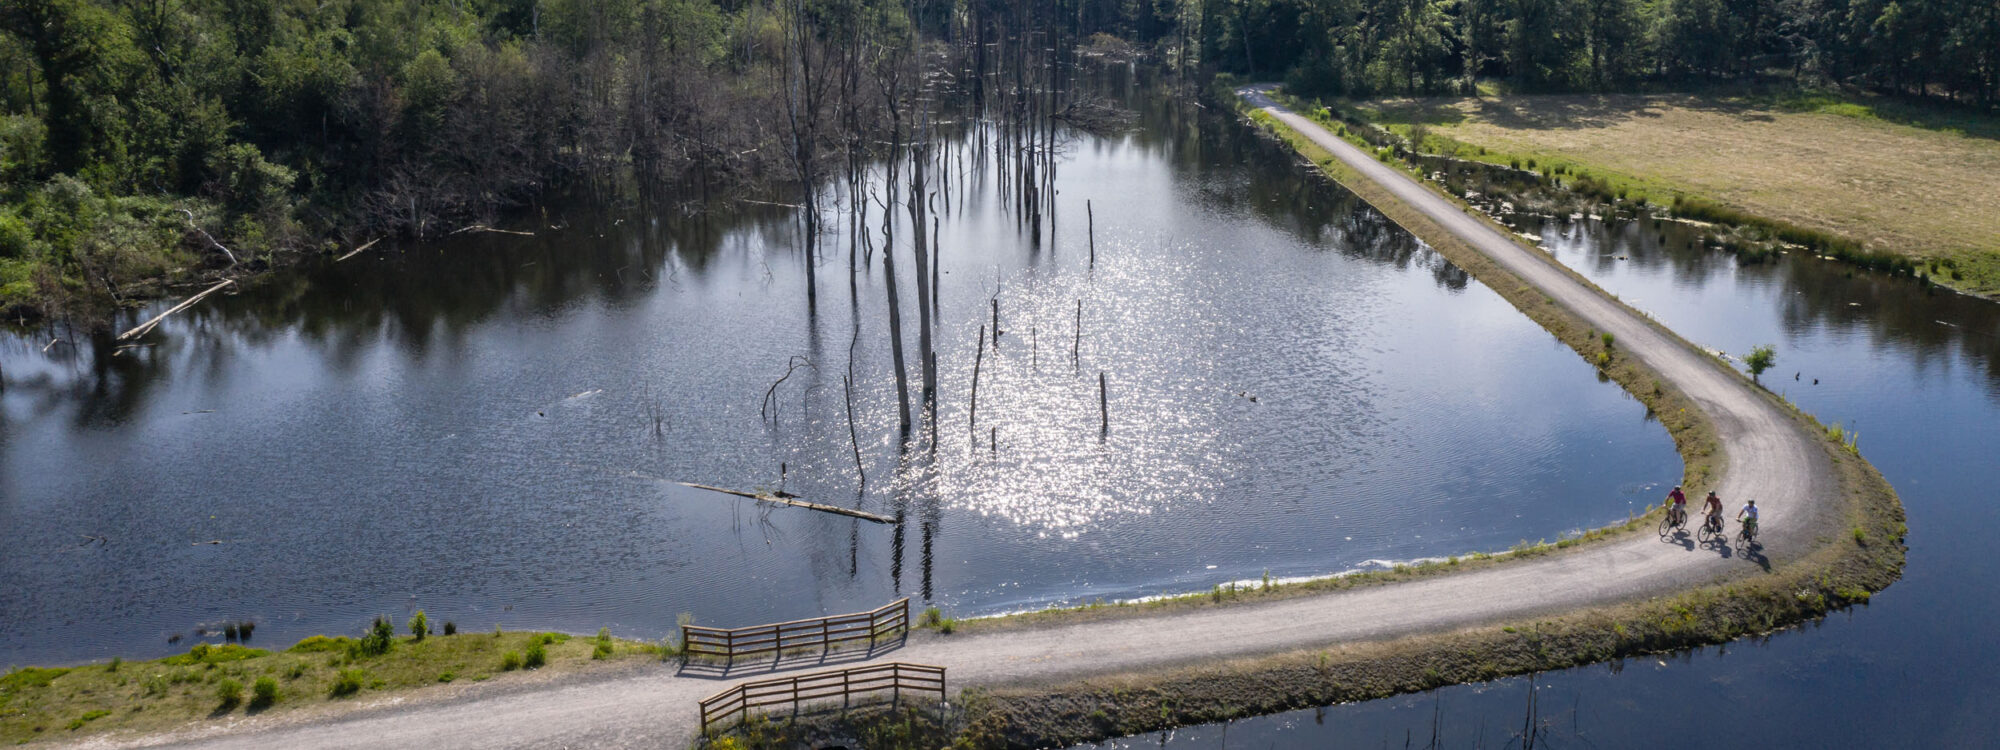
<point x="381" y="636"/>
<point x="264" y="692"/>
<point x="510" y="661"/>
<point x="448" y="676"/>
<point x="1761" y="359"/>
<point x="932" y="616"/>
<point x="320" y="643"/>
<point x="297" y="670"/>
<point x="230" y="692"/>
<point x="450" y="628"/>
<point x="420" y="625"/>
<point x="603" y="648"/>
<point x="113" y="666"/>
<point x="536" y="656"/>
<point x="1608" y="339"/>
<point x="157" y="685"/>
<point x="348" y="683"/>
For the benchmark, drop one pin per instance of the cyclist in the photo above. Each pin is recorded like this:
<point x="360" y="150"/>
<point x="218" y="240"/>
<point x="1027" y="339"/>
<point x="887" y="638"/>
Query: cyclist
<point x="1748" y="515"/>
<point x="1677" y="506"/>
<point x="1712" y="508"/>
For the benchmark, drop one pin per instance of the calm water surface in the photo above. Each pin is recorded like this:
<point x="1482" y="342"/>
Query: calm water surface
<point x="1917" y="372"/>
<point x="467" y="427"/>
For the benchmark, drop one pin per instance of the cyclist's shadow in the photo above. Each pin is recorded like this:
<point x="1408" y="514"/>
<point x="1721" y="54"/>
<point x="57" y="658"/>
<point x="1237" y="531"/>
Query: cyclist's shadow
<point x="1720" y="546"/>
<point x="1680" y="537"/>
<point x="1754" y="552"/>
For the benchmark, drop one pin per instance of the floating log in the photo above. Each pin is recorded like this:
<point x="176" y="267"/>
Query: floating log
<point x="358" y="250"/>
<point x="786" y="498"/>
<point x="142" y="328"/>
<point x="485" y="228"/>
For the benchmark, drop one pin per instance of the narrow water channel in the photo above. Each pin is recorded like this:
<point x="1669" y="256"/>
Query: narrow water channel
<point x="492" y="429"/>
<point x="1917" y="372"/>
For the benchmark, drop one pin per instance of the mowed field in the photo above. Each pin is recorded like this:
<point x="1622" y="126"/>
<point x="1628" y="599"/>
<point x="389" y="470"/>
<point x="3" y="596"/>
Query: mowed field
<point x="1929" y="191"/>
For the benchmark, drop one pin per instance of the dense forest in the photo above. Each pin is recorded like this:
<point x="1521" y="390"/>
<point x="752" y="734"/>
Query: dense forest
<point x="144" y="142"/>
<point x="1934" y="48"/>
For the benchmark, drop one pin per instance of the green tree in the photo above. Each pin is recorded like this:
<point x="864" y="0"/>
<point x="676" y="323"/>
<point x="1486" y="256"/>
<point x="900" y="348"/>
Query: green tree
<point x="1541" y="43"/>
<point x="1761" y="359"/>
<point x="80" y="50"/>
<point x="1611" y="29"/>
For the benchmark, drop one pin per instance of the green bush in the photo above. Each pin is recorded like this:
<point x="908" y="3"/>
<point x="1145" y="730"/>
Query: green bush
<point x="348" y="682"/>
<point x="1760" y="359"/>
<point x="510" y="661"/>
<point x="264" y="692"/>
<point x="420" y="625"/>
<point x="230" y="692"/>
<point x="536" y="656"/>
<point x="320" y="643"/>
<point x="450" y="628"/>
<point x="380" y="638"/>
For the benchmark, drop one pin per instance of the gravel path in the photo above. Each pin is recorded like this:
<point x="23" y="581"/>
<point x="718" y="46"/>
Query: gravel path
<point x="1769" y="457"/>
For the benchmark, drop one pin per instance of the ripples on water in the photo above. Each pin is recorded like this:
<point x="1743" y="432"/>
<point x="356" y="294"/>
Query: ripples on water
<point x="1294" y="387"/>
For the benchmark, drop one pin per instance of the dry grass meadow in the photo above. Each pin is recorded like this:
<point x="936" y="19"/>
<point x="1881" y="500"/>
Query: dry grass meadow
<point x="1914" y="183"/>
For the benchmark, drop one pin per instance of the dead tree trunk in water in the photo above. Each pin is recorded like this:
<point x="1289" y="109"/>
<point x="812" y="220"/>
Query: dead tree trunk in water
<point x="972" y="413"/>
<point x="805" y="89"/>
<point x="919" y="147"/>
<point x="1103" y="405"/>
<point x="895" y="329"/>
<point x="1091" y="216"/>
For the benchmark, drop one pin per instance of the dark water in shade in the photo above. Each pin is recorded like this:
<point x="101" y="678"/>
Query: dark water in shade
<point x="1917" y="372"/>
<point x="464" y="427"/>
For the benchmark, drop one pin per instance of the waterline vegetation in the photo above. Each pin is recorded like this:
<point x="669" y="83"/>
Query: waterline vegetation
<point x="1834" y="573"/>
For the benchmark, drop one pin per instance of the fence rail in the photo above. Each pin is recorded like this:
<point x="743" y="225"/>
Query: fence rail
<point x="822" y="632"/>
<point x="844" y="684"/>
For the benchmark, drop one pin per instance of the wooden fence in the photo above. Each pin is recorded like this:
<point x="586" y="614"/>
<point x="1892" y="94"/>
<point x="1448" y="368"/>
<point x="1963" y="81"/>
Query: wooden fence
<point x="821" y="632"/>
<point x="844" y="684"/>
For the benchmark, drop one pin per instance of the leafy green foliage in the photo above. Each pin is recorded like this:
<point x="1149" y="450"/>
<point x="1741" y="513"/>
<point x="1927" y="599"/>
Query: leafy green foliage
<point x="1761" y="359"/>
<point x="229" y="692"/>
<point x="264" y="692"/>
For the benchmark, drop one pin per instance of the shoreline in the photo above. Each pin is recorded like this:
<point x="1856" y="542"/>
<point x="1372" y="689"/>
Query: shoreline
<point x="1043" y="688"/>
<point x="1835" y="573"/>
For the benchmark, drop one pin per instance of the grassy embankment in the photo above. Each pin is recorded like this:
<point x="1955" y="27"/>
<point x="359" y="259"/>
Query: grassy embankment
<point x="1860" y="553"/>
<point x="176" y="692"/>
<point x="1862" y="179"/>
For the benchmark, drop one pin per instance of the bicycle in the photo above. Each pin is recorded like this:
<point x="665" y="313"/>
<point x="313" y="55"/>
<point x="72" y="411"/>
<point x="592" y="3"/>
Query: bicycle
<point x="1711" y="529"/>
<point x="1676" y="520"/>
<point x="1748" y="536"/>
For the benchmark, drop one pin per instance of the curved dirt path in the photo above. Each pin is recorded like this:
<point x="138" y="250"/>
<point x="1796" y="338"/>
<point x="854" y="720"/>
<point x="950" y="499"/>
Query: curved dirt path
<point x="1769" y="457"/>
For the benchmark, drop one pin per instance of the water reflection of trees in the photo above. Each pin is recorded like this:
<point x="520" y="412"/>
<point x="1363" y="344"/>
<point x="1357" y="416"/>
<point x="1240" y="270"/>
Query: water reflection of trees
<point x="424" y="297"/>
<point x="1924" y="323"/>
<point x="1234" y="168"/>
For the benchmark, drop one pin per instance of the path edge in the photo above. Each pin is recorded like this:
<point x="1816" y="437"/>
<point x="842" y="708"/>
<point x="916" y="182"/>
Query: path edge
<point x="1842" y="570"/>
